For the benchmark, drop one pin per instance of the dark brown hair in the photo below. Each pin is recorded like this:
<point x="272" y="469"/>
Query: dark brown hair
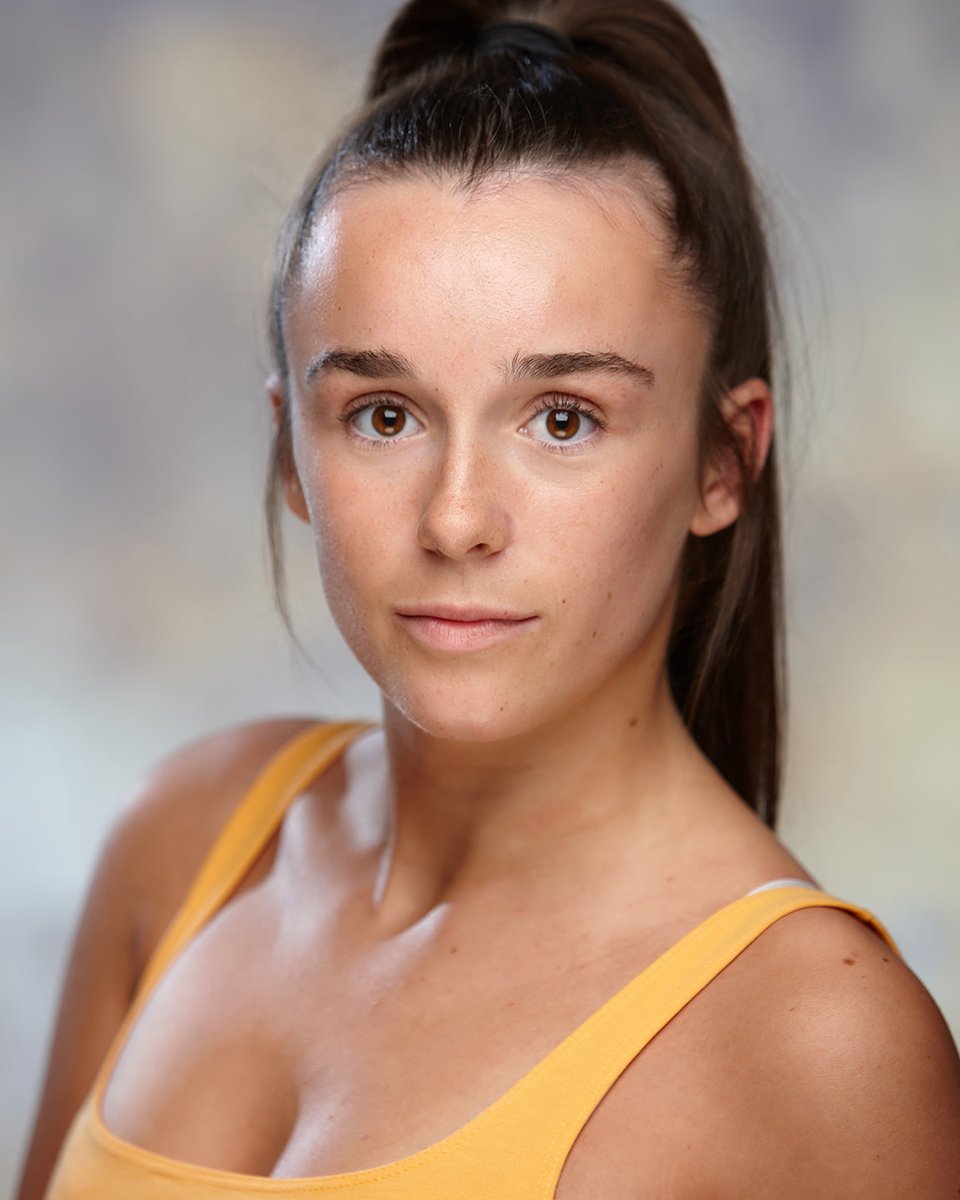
<point x="638" y="88"/>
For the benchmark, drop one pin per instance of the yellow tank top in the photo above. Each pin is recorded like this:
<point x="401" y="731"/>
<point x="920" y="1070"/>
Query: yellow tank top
<point x="513" y="1150"/>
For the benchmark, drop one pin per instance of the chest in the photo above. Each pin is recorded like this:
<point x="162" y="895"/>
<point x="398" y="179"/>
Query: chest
<point x="271" y="1048"/>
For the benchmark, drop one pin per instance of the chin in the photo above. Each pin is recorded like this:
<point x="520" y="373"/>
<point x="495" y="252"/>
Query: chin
<point x="478" y="729"/>
<point x="465" y="714"/>
<point x="491" y="697"/>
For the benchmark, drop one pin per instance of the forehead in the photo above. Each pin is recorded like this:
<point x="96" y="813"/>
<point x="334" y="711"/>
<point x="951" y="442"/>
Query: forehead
<point x="534" y="258"/>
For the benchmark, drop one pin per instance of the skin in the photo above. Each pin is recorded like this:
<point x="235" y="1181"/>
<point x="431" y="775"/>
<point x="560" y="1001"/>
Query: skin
<point x="533" y="825"/>
<point x="472" y="503"/>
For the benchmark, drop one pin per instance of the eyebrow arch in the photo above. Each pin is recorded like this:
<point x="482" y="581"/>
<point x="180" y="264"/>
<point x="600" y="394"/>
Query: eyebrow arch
<point x="579" y="362"/>
<point x="370" y="364"/>
<point x="382" y="364"/>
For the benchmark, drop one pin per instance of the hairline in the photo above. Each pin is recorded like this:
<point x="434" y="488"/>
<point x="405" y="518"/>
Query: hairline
<point x="641" y="181"/>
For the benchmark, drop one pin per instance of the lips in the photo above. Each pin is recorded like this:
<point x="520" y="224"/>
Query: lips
<point x="469" y="628"/>
<point x="462" y="612"/>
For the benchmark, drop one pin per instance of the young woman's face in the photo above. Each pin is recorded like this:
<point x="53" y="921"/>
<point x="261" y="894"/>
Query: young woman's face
<point x="494" y="404"/>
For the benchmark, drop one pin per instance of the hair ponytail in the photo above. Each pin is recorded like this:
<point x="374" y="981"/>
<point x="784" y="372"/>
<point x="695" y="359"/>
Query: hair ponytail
<point x="638" y="86"/>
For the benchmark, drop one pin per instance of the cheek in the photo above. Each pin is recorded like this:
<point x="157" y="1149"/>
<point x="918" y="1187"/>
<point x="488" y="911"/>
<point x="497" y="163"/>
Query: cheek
<point x="599" y="555"/>
<point x="365" y="537"/>
<point x="634" y="533"/>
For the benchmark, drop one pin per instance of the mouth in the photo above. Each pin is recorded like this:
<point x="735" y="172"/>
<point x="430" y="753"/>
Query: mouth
<point x="462" y="613"/>
<point x="469" y="629"/>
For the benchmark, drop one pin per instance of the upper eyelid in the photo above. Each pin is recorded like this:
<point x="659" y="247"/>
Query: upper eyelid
<point x="542" y="402"/>
<point x="544" y="406"/>
<point x="375" y="401"/>
<point x="352" y="410"/>
<point x="578" y="402"/>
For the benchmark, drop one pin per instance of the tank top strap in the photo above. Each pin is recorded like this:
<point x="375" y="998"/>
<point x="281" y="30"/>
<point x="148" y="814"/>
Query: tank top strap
<point x="253" y="822"/>
<point x="566" y="1087"/>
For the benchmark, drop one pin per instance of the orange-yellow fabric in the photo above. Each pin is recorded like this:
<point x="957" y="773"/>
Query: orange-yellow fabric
<point x="513" y="1150"/>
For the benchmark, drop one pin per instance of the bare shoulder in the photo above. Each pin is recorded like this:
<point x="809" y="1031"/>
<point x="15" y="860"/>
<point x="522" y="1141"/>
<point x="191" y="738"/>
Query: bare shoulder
<point x="146" y="863"/>
<point x="172" y="818"/>
<point x="849" y="1061"/>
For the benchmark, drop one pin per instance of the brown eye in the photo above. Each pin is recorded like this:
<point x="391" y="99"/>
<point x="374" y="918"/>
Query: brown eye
<point x="565" y="419"/>
<point x="563" y="422"/>
<point x="387" y="419"/>
<point x="380" y="423"/>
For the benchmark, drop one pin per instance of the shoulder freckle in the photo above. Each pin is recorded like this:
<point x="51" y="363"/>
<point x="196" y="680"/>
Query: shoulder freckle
<point x="814" y="988"/>
<point x="851" y="1054"/>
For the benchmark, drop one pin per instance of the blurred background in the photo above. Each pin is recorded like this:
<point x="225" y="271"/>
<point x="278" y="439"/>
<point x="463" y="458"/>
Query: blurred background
<point x="148" y="152"/>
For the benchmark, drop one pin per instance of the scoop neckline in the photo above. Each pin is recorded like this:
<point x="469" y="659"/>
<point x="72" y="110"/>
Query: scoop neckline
<point x="164" y="1164"/>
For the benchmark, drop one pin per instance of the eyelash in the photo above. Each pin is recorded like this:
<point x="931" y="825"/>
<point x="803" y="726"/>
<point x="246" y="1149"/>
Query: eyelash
<point x="557" y="401"/>
<point x="565" y="403"/>
<point x="358" y="406"/>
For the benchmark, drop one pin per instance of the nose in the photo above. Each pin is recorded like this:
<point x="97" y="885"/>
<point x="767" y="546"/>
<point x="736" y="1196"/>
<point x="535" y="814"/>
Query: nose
<point x="464" y="513"/>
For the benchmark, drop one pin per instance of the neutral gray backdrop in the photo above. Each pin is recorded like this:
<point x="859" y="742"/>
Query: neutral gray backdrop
<point x="147" y="153"/>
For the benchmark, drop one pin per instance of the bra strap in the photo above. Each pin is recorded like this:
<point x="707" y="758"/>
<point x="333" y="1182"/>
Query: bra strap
<point x="295" y="765"/>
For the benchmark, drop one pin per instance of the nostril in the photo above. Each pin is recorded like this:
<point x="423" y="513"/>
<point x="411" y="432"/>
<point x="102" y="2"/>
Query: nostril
<point x="456" y="530"/>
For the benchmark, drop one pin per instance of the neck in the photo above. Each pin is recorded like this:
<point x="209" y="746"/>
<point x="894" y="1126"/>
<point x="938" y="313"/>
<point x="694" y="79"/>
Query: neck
<point x="544" y="808"/>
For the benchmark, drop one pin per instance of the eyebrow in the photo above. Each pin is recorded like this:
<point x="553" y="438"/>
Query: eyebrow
<point x="383" y="364"/>
<point x="370" y="364"/>
<point x="578" y="362"/>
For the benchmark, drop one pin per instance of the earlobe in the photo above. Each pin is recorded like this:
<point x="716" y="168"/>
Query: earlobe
<point x="292" y="490"/>
<point x="748" y="411"/>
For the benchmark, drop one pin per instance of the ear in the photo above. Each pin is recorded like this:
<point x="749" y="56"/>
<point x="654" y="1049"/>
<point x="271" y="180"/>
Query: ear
<point x="748" y="411"/>
<point x="292" y="491"/>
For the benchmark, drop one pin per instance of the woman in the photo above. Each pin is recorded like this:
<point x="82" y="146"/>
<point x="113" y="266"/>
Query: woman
<point x="534" y="935"/>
